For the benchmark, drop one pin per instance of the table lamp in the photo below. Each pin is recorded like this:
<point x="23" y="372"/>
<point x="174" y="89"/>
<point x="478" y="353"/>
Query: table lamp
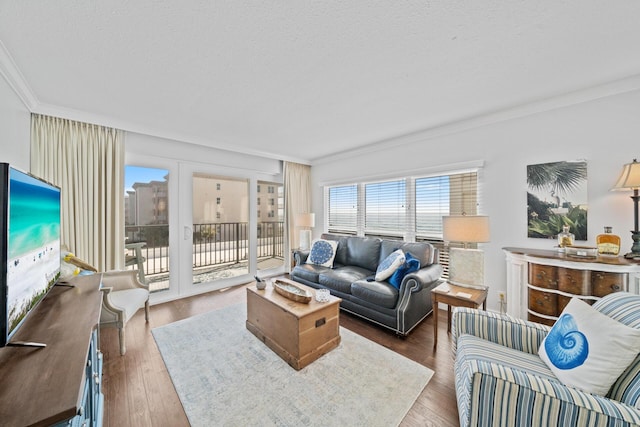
<point x="306" y="221"/>
<point x="466" y="266"/>
<point x="630" y="180"/>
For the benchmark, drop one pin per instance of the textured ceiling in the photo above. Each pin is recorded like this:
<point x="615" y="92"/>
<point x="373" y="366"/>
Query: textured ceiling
<point x="306" y="79"/>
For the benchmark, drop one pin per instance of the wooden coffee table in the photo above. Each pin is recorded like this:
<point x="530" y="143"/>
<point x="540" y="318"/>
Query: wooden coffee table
<point x="299" y="333"/>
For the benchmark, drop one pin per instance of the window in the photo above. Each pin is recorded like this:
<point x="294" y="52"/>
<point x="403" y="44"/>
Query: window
<point x="343" y="209"/>
<point x="410" y="207"/>
<point x="218" y="186"/>
<point x="270" y="226"/>
<point x="385" y="208"/>
<point x="437" y="196"/>
<point x="217" y="200"/>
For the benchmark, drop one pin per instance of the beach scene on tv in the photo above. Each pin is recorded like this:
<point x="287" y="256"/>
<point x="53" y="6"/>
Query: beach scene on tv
<point x="34" y="243"/>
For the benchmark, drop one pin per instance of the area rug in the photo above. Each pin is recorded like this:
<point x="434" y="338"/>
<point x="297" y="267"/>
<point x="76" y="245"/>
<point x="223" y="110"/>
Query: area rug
<point x="226" y="376"/>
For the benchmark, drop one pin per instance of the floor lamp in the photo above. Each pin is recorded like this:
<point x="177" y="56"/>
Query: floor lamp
<point x="306" y="221"/>
<point x="466" y="266"/>
<point x="630" y="180"/>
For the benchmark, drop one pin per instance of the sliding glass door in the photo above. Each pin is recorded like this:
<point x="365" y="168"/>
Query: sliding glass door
<point x="147" y="224"/>
<point x="220" y="227"/>
<point x="193" y="228"/>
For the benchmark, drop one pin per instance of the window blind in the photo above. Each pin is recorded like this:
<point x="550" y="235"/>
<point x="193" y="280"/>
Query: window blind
<point x="385" y="207"/>
<point x="343" y="208"/>
<point x="443" y="195"/>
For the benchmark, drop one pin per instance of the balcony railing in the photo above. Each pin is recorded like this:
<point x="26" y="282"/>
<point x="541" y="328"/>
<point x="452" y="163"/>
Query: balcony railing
<point x="213" y="244"/>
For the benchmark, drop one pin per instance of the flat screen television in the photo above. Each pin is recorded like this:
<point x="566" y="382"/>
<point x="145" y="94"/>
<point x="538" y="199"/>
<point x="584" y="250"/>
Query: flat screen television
<point x="29" y="245"/>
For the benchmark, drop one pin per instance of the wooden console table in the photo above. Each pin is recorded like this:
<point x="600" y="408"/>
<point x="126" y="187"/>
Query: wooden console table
<point x="541" y="282"/>
<point x="59" y="384"/>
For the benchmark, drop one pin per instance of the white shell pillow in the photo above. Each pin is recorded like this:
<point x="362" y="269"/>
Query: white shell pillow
<point x="588" y="350"/>
<point x="389" y="265"/>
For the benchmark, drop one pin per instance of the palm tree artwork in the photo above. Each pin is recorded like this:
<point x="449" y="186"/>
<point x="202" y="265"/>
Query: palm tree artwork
<point x="557" y="196"/>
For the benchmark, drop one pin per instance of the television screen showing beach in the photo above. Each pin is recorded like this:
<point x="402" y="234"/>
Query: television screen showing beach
<point x="34" y="243"/>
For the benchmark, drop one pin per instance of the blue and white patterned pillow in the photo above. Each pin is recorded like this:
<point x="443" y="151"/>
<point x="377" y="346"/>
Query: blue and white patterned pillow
<point x="588" y="350"/>
<point x="389" y="265"/>
<point x="322" y="252"/>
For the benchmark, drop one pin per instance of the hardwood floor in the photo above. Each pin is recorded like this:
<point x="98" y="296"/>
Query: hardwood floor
<point x="139" y="392"/>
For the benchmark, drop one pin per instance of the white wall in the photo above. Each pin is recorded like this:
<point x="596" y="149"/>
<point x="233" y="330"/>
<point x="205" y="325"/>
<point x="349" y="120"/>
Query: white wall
<point x="605" y="132"/>
<point x="15" y="128"/>
<point x="139" y="145"/>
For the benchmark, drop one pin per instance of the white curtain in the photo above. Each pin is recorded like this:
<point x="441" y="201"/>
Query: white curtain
<point x="87" y="162"/>
<point x="297" y="200"/>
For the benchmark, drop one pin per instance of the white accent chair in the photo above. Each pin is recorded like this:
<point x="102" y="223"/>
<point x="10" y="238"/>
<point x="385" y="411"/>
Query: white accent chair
<point x="122" y="296"/>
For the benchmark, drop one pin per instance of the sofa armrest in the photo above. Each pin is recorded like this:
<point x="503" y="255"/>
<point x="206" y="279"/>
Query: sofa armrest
<point x="423" y="278"/>
<point x="489" y="392"/>
<point x="300" y="256"/>
<point x="502" y="329"/>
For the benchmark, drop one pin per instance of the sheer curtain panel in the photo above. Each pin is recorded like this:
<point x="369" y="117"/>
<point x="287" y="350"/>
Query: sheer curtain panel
<point x="87" y="162"/>
<point x="297" y="200"/>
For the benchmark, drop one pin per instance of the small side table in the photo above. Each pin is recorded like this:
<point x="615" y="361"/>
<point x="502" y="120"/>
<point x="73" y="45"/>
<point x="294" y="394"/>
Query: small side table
<point x="457" y="296"/>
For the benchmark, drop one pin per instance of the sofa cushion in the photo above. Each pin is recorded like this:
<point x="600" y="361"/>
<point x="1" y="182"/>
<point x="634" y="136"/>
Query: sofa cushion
<point x="309" y="272"/>
<point x="423" y="251"/>
<point x="374" y="292"/>
<point x="580" y="345"/>
<point x="363" y="252"/>
<point x="389" y="265"/>
<point x="341" y="278"/>
<point x="322" y="252"/>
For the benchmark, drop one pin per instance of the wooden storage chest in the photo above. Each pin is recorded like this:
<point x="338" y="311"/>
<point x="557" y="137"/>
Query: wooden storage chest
<point x="299" y="333"/>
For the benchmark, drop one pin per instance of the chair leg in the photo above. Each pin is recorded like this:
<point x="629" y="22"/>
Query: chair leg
<point x="146" y="311"/>
<point x="122" y="345"/>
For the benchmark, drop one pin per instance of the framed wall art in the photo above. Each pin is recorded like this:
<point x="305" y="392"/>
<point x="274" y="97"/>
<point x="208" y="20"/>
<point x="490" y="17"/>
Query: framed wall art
<point x="557" y="196"/>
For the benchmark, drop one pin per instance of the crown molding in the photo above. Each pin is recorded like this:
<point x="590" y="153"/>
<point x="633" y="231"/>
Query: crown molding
<point x="82" y="116"/>
<point x="616" y="87"/>
<point x="15" y="79"/>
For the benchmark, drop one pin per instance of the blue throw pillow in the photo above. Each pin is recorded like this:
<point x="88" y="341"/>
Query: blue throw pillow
<point x="410" y="265"/>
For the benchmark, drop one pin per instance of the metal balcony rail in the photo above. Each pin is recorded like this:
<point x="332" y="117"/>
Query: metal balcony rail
<point x="213" y="244"/>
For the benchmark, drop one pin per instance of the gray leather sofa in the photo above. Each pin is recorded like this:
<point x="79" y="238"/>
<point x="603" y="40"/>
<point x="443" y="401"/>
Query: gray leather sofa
<point x="351" y="279"/>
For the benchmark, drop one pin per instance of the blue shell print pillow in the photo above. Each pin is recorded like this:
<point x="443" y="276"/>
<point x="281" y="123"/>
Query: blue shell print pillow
<point x="588" y="350"/>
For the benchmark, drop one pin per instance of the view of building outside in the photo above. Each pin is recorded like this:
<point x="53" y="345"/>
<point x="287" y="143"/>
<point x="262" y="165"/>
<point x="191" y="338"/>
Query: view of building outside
<point x="146" y="205"/>
<point x="220" y="224"/>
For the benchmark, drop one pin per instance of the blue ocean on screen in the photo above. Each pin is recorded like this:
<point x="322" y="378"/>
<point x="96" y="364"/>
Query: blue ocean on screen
<point x="34" y="243"/>
<point x="34" y="215"/>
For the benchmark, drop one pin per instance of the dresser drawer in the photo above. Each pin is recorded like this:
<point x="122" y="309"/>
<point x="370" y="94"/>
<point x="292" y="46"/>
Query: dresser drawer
<point x="543" y="276"/>
<point x="576" y="282"/>
<point x="603" y="283"/>
<point x="543" y="302"/>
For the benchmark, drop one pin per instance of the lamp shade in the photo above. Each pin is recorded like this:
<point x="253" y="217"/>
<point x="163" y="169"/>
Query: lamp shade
<point x="306" y="220"/>
<point x="629" y="178"/>
<point x="465" y="228"/>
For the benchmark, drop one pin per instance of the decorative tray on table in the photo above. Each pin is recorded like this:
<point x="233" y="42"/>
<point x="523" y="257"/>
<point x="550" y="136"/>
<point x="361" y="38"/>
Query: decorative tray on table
<point x="288" y="289"/>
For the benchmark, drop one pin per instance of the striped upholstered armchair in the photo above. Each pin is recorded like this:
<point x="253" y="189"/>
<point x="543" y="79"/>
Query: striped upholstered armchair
<point x="501" y="381"/>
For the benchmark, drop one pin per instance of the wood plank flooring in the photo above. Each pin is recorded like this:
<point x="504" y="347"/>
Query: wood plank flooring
<point x="139" y="392"/>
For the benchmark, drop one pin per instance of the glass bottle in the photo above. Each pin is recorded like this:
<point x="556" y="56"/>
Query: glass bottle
<point x="565" y="238"/>
<point x="608" y="243"/>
